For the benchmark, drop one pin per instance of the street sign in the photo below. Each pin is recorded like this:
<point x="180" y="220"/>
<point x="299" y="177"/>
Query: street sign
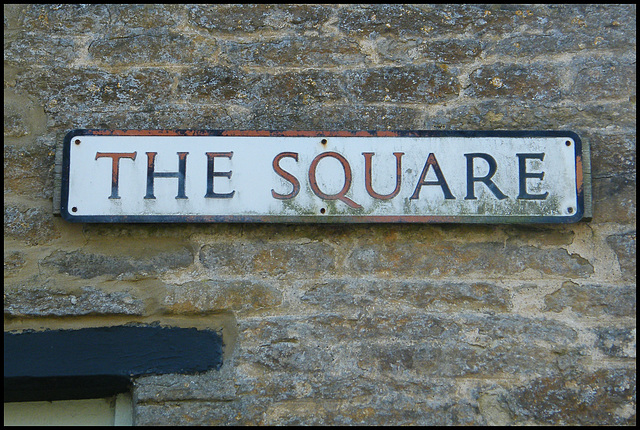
<point x="322" y="176"/>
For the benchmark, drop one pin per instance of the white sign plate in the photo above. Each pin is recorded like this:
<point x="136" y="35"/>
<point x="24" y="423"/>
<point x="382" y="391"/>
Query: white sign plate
<point x="322" y="176"/>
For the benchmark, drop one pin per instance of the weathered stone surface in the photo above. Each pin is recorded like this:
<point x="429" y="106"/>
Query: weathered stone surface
<point x="219" y="295"/>
<point x="514" y="114"/>
<point x="533" y="234"/>
<point x="604" y="397"/>
<point x="316" y="115"/>
<point x="405" y="21"/>
<point x="614" y="199"/>
<point x="425" y="345"/>
<point x="624" y="245"/>
<point x="450" y="259"/>
<point x="320" y="116"/>
<point x="229" y="19"/>
<point x="22" y="117"/>
<point x="270" y="17"/>
<point x="215" y="385"/>
<point x="617" y="342"/>
<point x="130" y="262"/>
<point x="281" y="398"/>
<point x="134" y="18"/>
<point x="593" y="300"/>
<point x="293" y="52"/>
<point x="450" y="51"/>
<point x="152" y="48"/>
<point x="43" y="302"/>
<point x="268" y="258"/>
<point x="298" y="88"/>
<point x="28" y="48"/>
<point x="92" y="18"/>
<point x="354" y="295"/>
<point x="61" y="18"/>
<point x="375" y="410"/>
<point x="197" y="413"/>
<point x="602" y="78"/>
<point x="13" y="14"/>
<point x="28" y="171"/>
<point x="289" y="90"/>
<point x="14" y="125"/>
<point x="530" y="82"/>
<point x="424" y="84"/>
<point x="620" y="113"/>
<point x="332" y="384"/>
<point x="32" y="225"/>
<point x="92" y="89"/>
<point x="612" y="154"/>
<point x="161" y="116"/>
<point x="493" y="407"/>
<point x="156" y="234"/>
<point x="478" y="348"/>
<point x="13" y="262"/>
<point x="289" y="355"/>
<point x="218" y="84"/>
<point x="557" y="40"/>
<point x="599" y="21"/>
<point x="486" y="21"/>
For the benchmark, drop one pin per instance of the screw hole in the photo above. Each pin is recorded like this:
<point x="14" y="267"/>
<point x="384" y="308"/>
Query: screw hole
<point x="323" y="210"/>
<point x="74" y="209"/>
<point x="323" y="141"/>
<point x="568" y="143"/>
<point x="570" y="210"/>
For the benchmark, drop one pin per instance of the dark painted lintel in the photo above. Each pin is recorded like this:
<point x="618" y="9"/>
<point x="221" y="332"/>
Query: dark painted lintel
<point x="98" y="362"/>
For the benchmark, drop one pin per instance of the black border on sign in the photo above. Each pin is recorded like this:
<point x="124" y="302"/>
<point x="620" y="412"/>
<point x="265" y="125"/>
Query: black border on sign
<point x="64" y="209"/>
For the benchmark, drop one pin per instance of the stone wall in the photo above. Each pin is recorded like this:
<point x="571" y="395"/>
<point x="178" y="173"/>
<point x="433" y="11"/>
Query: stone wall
<point x="338" y="324"/>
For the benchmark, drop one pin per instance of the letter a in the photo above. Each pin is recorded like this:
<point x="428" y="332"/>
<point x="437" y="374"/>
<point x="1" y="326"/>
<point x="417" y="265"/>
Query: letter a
<point x="431" y="161"/>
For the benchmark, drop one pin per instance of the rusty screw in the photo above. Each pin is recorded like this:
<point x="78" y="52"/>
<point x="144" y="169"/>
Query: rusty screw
<point x="323" y="141"/>
<point x="568" y="143"/>
<point x="570" y="210"/>
<point x="77" y="141"/>
<point x="74" y="209"/>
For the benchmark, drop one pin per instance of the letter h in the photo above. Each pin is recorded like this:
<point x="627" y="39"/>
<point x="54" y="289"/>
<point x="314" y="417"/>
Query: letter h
<point x="181" y="174"/>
